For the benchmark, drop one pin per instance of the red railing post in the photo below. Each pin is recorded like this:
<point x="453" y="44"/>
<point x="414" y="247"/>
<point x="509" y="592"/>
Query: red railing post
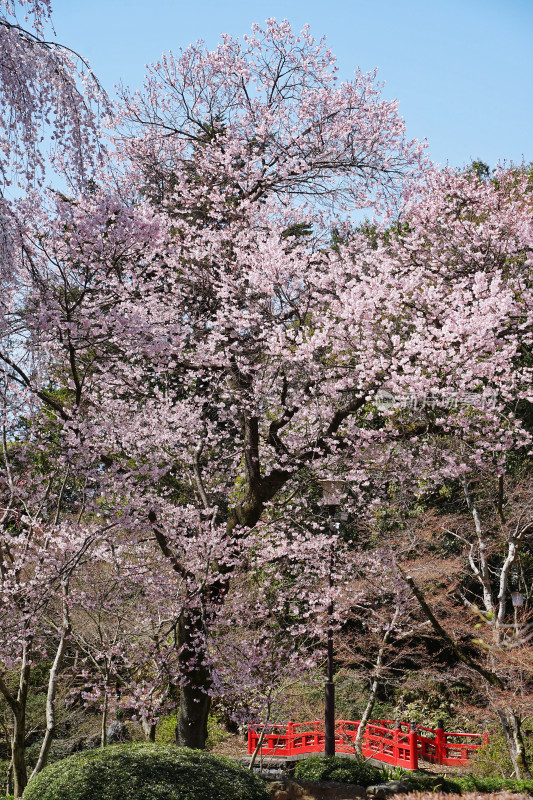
<point x="251" y="746"/>
<point x="440" y="743"/>
<point x="290" y="737"/>
<point x="413" y="747"/>
<point x="395" y="742"/>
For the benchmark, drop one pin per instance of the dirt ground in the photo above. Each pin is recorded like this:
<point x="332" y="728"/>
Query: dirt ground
<point x="234" y="747"/>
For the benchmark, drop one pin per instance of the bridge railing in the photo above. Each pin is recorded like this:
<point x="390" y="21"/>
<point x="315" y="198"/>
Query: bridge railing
<point x="396" y="743"/>
<point x="391" y="742"/>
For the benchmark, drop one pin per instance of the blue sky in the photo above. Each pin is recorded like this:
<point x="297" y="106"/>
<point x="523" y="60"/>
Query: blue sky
<point x="462" y="70"/>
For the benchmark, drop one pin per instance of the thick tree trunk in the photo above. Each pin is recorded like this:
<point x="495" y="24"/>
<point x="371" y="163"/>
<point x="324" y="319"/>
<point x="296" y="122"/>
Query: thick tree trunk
<point x="195" y="701"/>
<point x="512" y="729"/>
<point x="191" y="730"/>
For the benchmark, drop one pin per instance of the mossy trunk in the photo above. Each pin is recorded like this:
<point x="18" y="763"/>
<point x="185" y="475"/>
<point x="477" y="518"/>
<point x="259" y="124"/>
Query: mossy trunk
<point x="9" y="778"/>
<point x="512" y="729"/>
<point x="18" y="752"/>
<point x="17" y="705"/>
<point x="103" y="723"/>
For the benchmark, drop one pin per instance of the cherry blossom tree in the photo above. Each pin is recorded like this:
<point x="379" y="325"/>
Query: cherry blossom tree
<point x="362" y="160"/>
<point x="51" y="103"/>
<point x="124" y="611"/>
<point x="210" y="335"/>
<point x="38" y="557"/>
<point x="265" y="117"/>
<point x="260" y="361"/>
<point x="45" y="88"/>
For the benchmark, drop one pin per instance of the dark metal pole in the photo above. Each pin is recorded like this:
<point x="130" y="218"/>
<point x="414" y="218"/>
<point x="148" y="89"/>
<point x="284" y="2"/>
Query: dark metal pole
<point x="329" y="710"/>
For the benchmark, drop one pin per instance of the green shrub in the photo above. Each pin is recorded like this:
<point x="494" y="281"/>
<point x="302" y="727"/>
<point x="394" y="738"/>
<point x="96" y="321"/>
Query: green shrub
<point x="466" y="796"/>
<point x="216" y="732"/>
<point x="493" y="757"/>
<point x="472" y="783"/>
<point x="466" y="783"/>
<point x="340" y="770"/>
<point x="420" y="782"/>
<point x="166" y="731"/>
<point x="145" y="772"/>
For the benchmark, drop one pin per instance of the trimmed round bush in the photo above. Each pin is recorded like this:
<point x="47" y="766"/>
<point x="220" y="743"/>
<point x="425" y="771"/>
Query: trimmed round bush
<point x="338" y="770"/>
<point x="467" y="796"/>
<point x="145" y="772"/>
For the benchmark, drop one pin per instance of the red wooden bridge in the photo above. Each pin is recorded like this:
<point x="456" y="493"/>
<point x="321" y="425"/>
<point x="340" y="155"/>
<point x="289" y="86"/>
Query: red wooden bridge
<point x="397" y="743"/>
